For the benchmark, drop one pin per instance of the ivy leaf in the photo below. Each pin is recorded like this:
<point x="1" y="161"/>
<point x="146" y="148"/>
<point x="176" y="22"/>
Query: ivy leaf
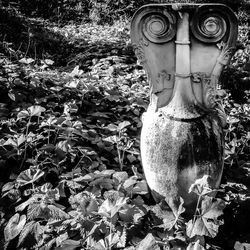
<point x="14" y="226"/>
<point x="207" y="224"/>
<point x="29" y="176"/>
<point x="201" y="186"/>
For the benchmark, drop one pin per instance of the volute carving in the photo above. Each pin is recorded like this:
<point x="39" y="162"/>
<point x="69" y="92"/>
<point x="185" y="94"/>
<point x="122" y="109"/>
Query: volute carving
<point x="183" y="48"/>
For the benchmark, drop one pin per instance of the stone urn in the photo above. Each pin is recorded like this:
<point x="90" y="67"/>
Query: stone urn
<point x="183" y="49"/>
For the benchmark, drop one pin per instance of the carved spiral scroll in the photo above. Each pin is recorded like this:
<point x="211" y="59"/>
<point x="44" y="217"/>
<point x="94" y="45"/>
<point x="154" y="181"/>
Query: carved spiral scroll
<point x="209" y="26"/>
<point x="159" y="27"/>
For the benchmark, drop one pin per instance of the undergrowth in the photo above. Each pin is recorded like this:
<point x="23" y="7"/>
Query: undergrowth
<point x="70" y="167"/>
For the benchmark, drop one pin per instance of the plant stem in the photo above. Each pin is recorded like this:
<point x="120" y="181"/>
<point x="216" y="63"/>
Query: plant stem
<point x="25" y="147"/>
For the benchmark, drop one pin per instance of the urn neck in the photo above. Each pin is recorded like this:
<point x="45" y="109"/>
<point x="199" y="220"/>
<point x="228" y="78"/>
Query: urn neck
<point x="182" y="104"/>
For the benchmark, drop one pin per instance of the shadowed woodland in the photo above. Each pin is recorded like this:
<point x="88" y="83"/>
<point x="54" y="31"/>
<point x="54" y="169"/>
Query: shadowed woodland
<point x="71" y="100"/>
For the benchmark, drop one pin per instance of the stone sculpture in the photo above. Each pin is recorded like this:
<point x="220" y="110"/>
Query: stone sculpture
<point x="183" y="49"/>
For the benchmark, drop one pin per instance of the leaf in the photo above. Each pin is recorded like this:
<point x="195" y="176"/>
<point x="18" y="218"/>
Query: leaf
<point x="129" y="183"/>
<point x="33" y="228"/>
<point x="148" y="243"/>
<point x="26" y="60"/>
<point x="141" y="188"/>
<point x="14" y="226"/>
<point x="241" y="246"/>
<point x="36" y="110"/>
<point x="195" y="246"/>
<point x="112" y="139"/>
<point x="23" y="114"/>
<point x="120" y="176"/>
<point x="112" y="127"/>
<point x="112" y="204"/>
<point x="167" y="216"/>
<point x="207" y="224"/>
<point x="49" y="61"/>
<point x="201" y="186"/>
<point x="69" y="245"/>
<point x="8" y="186"/>
<point x="32" y="199"/>
<point x="123" y="125"/>
<point x="29" y="176"/>
<point x="76" y="72"/>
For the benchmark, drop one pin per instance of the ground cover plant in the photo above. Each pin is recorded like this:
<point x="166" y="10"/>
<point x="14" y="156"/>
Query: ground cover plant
<point x="70" y="171"/>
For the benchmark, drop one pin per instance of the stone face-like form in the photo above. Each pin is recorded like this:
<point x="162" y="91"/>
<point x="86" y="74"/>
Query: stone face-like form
<point x="183" y="48"/>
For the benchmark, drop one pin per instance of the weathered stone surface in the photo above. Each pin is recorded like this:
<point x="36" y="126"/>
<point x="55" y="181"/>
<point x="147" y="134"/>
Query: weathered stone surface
<point x="183" y="49"/>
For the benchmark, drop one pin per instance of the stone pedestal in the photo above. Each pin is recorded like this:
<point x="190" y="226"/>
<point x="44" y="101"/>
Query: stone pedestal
<point x="183" y="49"/>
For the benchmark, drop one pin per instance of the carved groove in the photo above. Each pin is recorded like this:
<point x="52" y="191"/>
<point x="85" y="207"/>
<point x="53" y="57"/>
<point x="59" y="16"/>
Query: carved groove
<point x="209" y="26"/>
<point x="159" y="27"/>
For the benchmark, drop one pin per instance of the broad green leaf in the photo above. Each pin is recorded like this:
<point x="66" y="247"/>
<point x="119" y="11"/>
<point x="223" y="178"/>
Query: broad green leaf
<point x="29" y="176"/>
<point x="14" y="226"/>
<point x="207" y="224"/>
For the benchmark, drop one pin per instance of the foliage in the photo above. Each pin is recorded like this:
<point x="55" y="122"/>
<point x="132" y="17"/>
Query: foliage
<point x="71" y="176"/>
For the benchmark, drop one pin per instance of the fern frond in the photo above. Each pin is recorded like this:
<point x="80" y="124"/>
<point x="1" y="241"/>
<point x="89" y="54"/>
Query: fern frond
<point x="57" y="213"/>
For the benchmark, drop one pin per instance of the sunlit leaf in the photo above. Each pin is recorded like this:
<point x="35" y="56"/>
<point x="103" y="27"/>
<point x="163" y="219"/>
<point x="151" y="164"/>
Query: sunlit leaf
<point x="148" y="243"/>
<point x="26" y="60"/>
<point x="207" y="224"/>
<point x="201" y="186"/>
<point x="241" y="246"/>
<point x="36" y="110"/>
<point x="49" y="61"/>
<point x="141" y="188"/>
<point x="14" y="226"/>
<point x="123" y="125"/>
<point x="195" y="246"/>
<point x="29" y="176"/>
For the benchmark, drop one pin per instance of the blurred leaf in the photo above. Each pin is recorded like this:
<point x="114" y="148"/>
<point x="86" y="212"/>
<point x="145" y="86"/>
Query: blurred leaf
<point x="123" y="125"/>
